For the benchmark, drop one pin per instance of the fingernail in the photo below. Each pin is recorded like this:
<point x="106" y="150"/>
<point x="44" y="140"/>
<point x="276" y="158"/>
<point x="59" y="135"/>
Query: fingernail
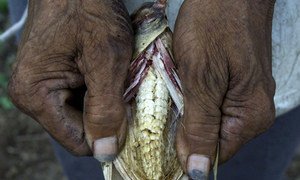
<point x="198" y="167"/>
<point x="105" y="149"/>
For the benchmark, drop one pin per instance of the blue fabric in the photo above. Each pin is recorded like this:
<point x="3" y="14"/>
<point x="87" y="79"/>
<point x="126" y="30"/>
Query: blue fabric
<point x="264" y="158"/>
<point x="267" y="156"/>
<point x="77" y="168"/>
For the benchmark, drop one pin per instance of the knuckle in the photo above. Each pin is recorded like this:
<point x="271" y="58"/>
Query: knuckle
<point x="105" y="111"/>
<point x="202" y="137"/>
<point x="26" y="95"/>
<point x="103" y="117"/>
<point x="234" y="132"/>
<point x="16" y="91"/>
<point x="231" y="126"/>
<point x="207" y="128"/>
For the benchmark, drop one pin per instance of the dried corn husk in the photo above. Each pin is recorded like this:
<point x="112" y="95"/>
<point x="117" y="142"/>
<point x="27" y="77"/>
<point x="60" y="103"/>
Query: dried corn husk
<point x="155" y="97"/>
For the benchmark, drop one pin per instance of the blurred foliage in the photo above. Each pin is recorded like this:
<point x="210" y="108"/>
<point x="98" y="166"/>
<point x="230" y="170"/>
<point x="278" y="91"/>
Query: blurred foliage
<point x="3" y="80"/>
<point x="5" y="103"/>
<point x="3" y="6"/>
<point x="6" y="53"/>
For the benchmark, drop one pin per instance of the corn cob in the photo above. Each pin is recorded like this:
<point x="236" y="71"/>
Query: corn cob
<point x="155" y="96"/>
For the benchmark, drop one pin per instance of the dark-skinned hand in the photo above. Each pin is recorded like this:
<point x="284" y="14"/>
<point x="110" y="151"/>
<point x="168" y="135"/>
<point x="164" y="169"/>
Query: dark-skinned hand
<point x="70" y="72"/>
<point x="223" y="51"/>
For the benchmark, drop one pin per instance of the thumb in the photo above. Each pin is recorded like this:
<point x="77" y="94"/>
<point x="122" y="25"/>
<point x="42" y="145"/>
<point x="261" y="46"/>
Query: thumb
<point x="203" y="88"/>
<point x="197" y="138"/>
<point x="104" y="124"/>
<point x="107" y="43"/>
<point x="104" y="66"/>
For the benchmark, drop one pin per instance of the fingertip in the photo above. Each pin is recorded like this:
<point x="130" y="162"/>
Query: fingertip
<point x="105" y="149"/>
<point x="104" y="118"/>
<point x="198" y="167"/>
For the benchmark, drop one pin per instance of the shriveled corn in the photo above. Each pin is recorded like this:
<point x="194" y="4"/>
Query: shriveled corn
<point x="155" y="97"/>
<point x="152" y="105"/>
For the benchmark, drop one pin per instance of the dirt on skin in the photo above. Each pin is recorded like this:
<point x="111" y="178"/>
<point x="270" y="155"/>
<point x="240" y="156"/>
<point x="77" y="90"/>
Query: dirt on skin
<point x="25" y="151"/>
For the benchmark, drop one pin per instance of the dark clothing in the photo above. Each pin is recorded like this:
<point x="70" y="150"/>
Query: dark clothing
<point x="267" y="156"/>
<point x="77" y="168"/>
<point x="264" y="158"/>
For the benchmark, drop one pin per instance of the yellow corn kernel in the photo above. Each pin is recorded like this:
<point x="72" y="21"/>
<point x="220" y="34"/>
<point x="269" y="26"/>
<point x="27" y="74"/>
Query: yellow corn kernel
<point x="152" y="114"/>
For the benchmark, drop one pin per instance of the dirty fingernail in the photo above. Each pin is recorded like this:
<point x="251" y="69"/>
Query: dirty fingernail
<point x="198" y="167"/>
<point x="105" y="149"/>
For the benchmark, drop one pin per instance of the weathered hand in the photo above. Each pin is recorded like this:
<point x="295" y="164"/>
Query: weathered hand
<point x="223" y="51"/>
<point x="70" y="72"/>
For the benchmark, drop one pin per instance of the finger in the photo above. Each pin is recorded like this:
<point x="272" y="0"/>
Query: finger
<point x="204" y="77"/>
<point x="43" y="80"/>
<point x="104" y="63"/>
<point x="240" y="123"/>
<point x="248" y="107"/>
<point x="104" y="109"/>
<point x="64" y="122"/>
<point x="198" y="134"/>
<point x="105" y="124"/>
<point x="197" y="139"/>
<point x="51" y="103"/>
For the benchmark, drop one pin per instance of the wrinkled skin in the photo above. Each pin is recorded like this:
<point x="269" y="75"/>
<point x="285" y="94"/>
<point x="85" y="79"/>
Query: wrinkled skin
<point x="71" y="67"/>
<point x="223" y="52"/>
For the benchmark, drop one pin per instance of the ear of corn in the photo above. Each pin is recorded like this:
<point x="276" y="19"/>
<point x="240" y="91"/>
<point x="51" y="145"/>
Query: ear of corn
<point x="154" y="94"/>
